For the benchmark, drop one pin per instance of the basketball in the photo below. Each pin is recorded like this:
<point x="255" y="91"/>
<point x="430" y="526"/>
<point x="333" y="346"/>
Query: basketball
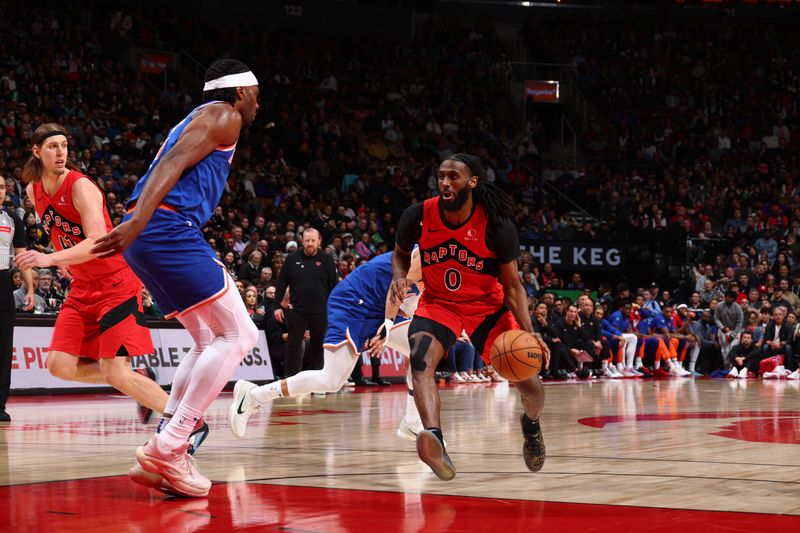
<point x="516" y="355"/>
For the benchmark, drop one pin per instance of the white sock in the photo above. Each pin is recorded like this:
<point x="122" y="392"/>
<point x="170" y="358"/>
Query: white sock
<point x="630" y="348"/>
<point x="638" y="364"/>
<point x="604" y="365"/>
<point x="265" y="393"/>
<point x="693" y="355"/>
<point x="180" y="426"/>
<point x="412" y="415"/>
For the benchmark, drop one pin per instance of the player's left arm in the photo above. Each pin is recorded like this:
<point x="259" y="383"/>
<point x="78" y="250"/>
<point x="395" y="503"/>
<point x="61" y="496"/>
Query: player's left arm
<point x="88" y="202"/>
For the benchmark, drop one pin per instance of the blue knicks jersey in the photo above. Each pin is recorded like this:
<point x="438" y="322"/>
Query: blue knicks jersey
<point x="199" y="189"/>
<point x="369" y="282"/>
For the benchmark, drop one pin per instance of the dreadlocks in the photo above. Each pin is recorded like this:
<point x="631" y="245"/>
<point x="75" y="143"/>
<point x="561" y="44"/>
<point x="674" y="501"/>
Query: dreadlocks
<point x="497" y="203"/>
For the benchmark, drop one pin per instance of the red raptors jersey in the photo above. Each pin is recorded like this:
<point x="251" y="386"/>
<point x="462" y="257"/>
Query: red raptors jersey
<point x="456" y="263"/>
<point x="62" y="222"/>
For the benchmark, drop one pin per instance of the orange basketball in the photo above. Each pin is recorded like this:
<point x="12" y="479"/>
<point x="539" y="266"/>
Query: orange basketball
<point x="516" y="355"/>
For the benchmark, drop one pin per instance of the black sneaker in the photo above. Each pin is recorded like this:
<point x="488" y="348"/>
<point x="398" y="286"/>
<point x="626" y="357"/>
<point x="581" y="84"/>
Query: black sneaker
<point x="533" y="449"/>
<point x="433" y="454"/>
<point x="382" y="382"/>
<point x="4" y="417"/>
<point x="144" y="412"/>
<point x="197" y="436"/>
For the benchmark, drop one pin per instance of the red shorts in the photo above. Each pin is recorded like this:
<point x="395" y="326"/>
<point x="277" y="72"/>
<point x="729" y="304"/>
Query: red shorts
<point x="103" y="319"/>
<point x="482" y="324"/>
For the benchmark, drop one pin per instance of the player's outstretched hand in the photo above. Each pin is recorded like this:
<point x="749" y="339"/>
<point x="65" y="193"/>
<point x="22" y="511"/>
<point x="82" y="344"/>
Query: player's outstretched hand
<point x="400" y="289"/>
<point x="118" y="240"/>
<point x="375" y="345"/>
<point x="32" y="258"/>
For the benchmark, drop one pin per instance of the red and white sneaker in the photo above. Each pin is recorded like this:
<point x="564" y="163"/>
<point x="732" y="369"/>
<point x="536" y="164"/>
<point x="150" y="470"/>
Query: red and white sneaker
<point x="660" y="373"/>
<point x="144" y="478"/>
<point x="176" y="467"/>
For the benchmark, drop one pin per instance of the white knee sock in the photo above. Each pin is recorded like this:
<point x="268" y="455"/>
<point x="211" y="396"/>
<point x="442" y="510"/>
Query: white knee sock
<point x="693" y="354"/>
<point x="412" y="414"/>
<point x="630" y="349"/>
<point x="233" y="335"/>
<point x="338" y="366"/>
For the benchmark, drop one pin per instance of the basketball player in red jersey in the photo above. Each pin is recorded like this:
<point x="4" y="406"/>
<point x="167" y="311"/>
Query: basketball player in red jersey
<point x="466" y="241"/>
<point x="101" y="322"/>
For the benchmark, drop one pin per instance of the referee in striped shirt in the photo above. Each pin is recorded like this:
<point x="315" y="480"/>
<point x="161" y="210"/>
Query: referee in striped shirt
<point x="12" y="241"/>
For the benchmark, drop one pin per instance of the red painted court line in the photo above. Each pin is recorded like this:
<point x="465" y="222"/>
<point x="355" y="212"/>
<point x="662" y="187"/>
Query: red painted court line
<point x="116" y="504"/>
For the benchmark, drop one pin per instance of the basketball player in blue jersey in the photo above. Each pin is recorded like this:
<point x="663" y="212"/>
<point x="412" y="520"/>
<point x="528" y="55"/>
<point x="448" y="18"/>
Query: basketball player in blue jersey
<point x="357" y="308"/>
<point x="162" y="242"/>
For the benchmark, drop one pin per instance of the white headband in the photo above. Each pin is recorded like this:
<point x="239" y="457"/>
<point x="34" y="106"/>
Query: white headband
<point x="244" y="79"/>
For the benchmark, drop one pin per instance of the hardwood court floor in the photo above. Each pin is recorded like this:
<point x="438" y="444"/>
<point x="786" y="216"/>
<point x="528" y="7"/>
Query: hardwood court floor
<point x="626" y="455"/>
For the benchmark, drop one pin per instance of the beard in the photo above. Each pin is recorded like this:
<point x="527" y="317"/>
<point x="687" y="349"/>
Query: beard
<point x="457" y="202"/>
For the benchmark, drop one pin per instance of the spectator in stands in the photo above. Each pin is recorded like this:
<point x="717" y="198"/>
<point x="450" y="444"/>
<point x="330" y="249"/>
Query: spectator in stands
<point x="568" y="332"/>
<point x="251" y="269"/>
<point x="251" y="303"/>
<point x="21" y="297"/>
<point x="729" y="319"/>
<point x="781" y="296"/>
<point x="542" y="325"/>
<point x="264" y="279"/>
<point x="576" y="283"/>
<point x="52" y="298"/>
<point x="744" y="358"/>
<point x="705" y="330"/>
<point x="229" y="260"/>
<point x="777" y="336"/>
<point x="468" y="368"/>
<point x="150" y="306"/>
<point x="591" y="338"/>
<point x="528" y="284"/>
<point x="709" y="292"/>
<point x="276" y="333"/>
<point x="766" y="244"/>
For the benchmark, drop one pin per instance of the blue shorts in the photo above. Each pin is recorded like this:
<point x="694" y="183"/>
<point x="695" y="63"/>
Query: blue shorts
<point x="349" y="319"/>
<point x="176" y="264"/>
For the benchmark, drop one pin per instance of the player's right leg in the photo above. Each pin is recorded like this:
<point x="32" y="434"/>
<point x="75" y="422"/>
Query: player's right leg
<point x="411" y="423"/>
<point x="70" y="367"/>
<point x="233" y="336"/>
<point x="426" y="350"/>
<point x="247" y="397"/>
<point x="117" y="373"/>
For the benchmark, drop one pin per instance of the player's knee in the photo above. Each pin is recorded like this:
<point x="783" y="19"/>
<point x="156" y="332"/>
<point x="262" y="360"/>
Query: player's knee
<point x="115" y="374"/>
<point x="60" y="367"/>
<point x="419" y="349"/>
<point x="248" y="335"/>
<point x="333" y="382"/>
